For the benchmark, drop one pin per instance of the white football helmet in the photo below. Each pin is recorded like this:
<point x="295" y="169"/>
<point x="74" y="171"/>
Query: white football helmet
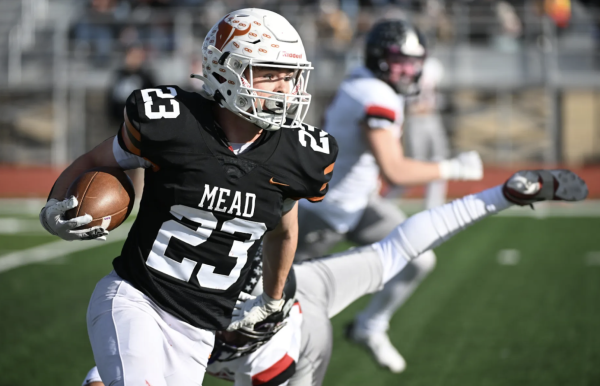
<point x="255" y="37"/>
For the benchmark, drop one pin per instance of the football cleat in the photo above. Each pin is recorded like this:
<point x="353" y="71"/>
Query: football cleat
<point x="528" y="186"/>
<point x="379" y="345"/>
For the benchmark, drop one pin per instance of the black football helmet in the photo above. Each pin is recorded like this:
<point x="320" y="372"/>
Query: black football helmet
<point x="232" y="345"/>
<point x="394" y="38"/>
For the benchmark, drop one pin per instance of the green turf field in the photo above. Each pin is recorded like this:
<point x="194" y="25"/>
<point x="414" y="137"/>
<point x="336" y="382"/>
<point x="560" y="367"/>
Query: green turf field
<point x="533" y="320"/>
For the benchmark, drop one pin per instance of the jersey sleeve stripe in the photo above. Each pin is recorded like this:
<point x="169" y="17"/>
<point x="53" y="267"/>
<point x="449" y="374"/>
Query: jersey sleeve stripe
<point x="323" y="187"/>
<point x="328" y="169"/>
<point x="155" y="167"/>
<point x="374" y="111"/>
<point x="285" y="367"/>
<point x="315" y="199"/>
<point x="135" y="132"/>
<point x="125" y="136"/>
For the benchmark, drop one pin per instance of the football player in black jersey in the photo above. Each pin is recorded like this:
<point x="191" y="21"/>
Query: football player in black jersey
<point x="224" y="170"/>
<point x="293" y="347"/>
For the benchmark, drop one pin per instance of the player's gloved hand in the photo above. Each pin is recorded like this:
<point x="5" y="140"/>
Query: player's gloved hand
<point x="53" y="220"/>
<point x="465" y="166"/>
<point x="250" y="310"/>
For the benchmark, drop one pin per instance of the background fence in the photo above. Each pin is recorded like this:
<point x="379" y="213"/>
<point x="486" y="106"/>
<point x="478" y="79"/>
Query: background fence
<point x="521" y="80"/>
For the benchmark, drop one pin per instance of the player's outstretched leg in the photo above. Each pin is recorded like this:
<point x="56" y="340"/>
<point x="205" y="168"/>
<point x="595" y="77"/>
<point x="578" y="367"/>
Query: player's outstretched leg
<point x="428" y="229"/>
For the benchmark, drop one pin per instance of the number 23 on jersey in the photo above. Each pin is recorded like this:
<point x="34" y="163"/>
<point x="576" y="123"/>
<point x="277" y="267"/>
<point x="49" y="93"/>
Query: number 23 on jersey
<point x="207" y="224"/>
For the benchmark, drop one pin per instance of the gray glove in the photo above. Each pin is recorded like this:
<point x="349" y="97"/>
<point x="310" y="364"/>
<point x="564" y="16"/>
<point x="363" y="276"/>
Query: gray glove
<point x="465" y="166"/>
<point x="53" y="220"/>
<point x="250" y="310"/>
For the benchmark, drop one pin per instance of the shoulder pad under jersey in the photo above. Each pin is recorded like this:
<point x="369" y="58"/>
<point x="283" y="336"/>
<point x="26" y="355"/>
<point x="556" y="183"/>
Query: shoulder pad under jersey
<point x="305" y="161"/>
<point x="159" y="118"/>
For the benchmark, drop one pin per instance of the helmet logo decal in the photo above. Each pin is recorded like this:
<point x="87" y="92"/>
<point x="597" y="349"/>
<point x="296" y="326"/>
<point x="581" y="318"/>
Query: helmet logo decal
<point x="262" y="50"/>
<point x="236" y="45"/>
<point x="252" y="34"/>
<point x="230" y="82"/>
<point x="247" y="49"/>
<point x="275" y="45"/>
<point x="222" y="69"/>
<point x="267" y="36"/>
<point x="257" y="23"/>
<point x="215" y="62"/>
<point x="227" y="32"/>
<point x="411" y="45"/>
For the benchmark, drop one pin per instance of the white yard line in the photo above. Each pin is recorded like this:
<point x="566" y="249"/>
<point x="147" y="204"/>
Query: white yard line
<point x="31" y="206"/>
<point x="56" y="249"/>
<point x="508" y="256"/>
<point x="592" y="258"/>
<point x="20" y="226"/>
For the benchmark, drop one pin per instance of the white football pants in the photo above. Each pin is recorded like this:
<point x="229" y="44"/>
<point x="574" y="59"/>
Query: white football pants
<point x="135" y="343"/>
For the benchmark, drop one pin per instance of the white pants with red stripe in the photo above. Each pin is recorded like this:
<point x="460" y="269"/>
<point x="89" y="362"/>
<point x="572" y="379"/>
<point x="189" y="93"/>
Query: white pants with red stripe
<point x="137" y="343"/>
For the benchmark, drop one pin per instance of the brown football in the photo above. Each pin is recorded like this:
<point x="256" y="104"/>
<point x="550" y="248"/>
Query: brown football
<point x="104" y="193"/>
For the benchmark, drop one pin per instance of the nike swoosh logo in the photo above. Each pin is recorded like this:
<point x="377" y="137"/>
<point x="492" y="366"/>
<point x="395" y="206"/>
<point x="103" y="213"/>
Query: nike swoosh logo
<point x="276" y="183"/>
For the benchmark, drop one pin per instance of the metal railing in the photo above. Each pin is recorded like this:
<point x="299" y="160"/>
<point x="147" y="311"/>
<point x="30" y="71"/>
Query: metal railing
<point x="43" y="54"/>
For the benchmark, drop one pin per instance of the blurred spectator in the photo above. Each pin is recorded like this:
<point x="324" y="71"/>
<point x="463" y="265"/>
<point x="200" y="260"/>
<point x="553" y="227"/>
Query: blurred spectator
<point x="97" y="29"/>
<point x="131" y="76"/>
<point x="511" y="27"/>
<point x="334" y="25"/>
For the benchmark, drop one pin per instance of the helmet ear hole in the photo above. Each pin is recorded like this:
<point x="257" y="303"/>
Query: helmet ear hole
<point x="229" y="92"/>
<point x="220" y="78"/>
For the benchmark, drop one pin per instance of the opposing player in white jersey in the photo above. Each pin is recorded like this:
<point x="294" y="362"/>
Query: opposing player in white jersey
<point x="293" y="347"/>
<point x="366" y="118"/>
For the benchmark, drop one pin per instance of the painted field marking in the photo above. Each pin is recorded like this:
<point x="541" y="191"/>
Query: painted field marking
<point x="592" y="258"/>
<point x="509" y="257"/>
<point x="53" y="250"/>
<point x="15" y="226"/>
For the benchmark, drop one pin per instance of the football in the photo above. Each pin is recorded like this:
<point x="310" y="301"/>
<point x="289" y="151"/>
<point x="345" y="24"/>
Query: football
<point x="104" y="193"/>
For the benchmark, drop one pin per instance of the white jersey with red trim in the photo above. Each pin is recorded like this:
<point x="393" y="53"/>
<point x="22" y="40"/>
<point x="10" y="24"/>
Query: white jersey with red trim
<point x="272" y="364"/>
<point x="362" y="98"/>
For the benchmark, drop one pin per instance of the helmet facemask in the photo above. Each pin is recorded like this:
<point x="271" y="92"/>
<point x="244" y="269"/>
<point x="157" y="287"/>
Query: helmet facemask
<point x="266" y="109"/>
<point x="234" y="344"/>
<point x="269" y="109"/>
<point x="402" y="72"/>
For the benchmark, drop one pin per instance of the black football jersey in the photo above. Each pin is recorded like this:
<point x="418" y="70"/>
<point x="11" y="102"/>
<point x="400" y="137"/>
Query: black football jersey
<point x="204" y="210"/>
